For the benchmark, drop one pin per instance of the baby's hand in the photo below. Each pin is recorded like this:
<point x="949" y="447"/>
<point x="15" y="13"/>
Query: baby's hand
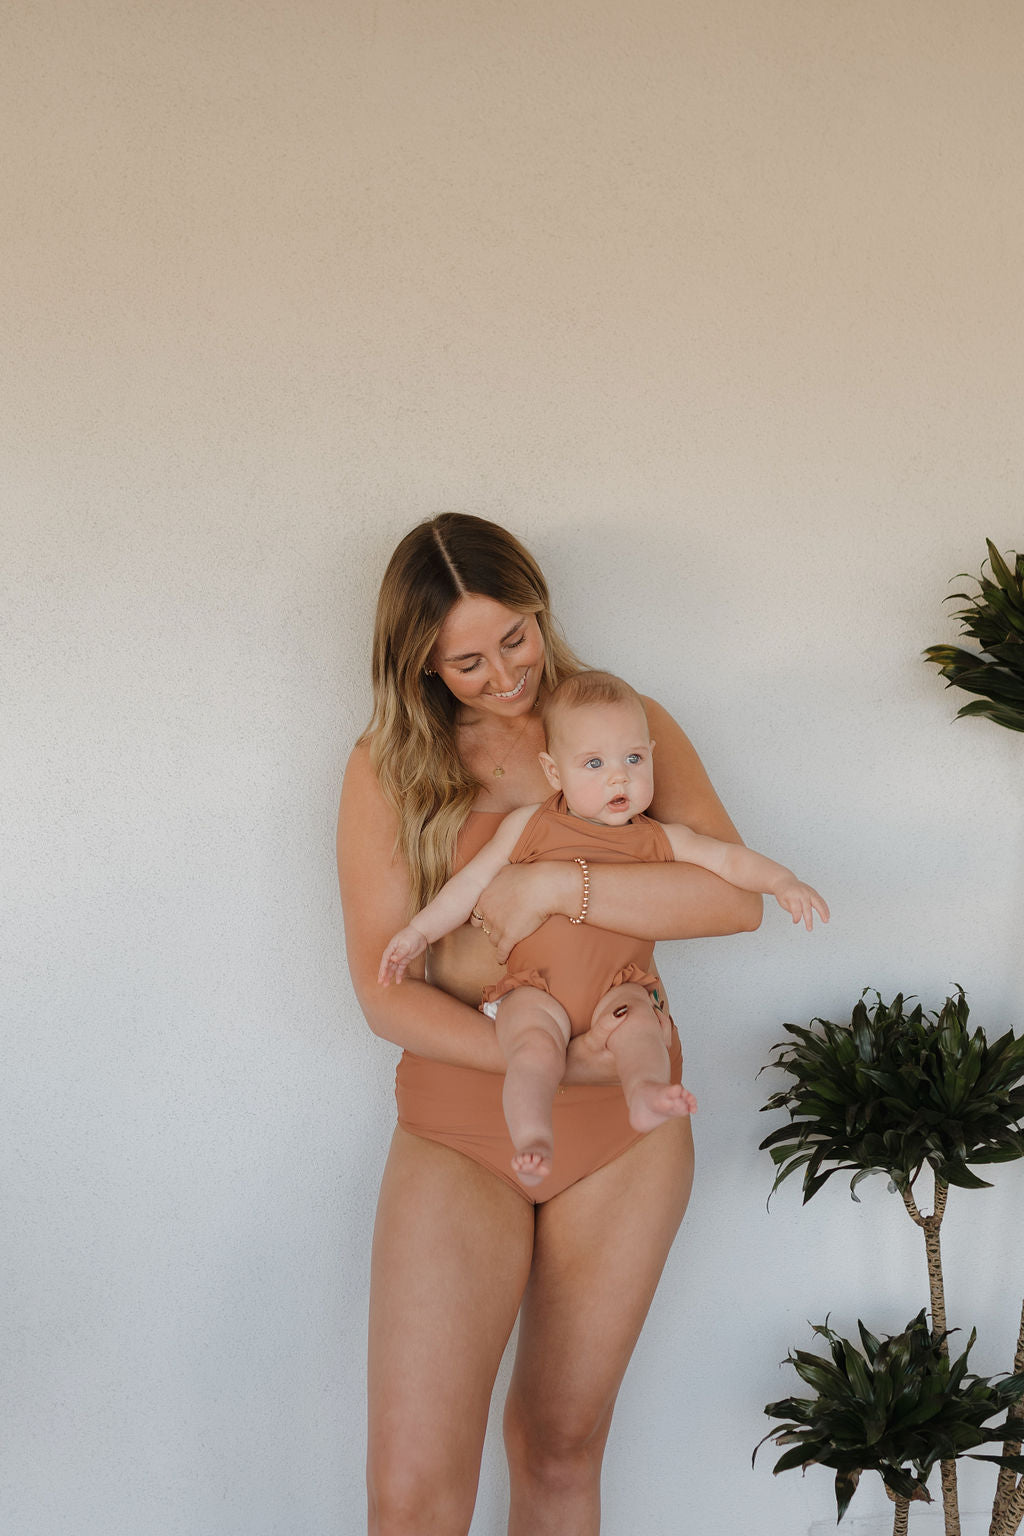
<point x="405" y="946"/>
<point x="801" y="901"/>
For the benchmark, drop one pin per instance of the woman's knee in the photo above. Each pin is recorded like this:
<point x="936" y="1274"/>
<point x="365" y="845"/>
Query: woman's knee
<point x="560" y="1451"/>
<point x="406" y="1500"/>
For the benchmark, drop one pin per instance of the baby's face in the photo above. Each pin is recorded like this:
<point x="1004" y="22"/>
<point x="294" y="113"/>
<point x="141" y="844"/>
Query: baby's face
<point x="600" y="757"/>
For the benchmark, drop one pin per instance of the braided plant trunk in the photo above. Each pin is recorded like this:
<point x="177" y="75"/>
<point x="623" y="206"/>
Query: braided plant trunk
<point x="1008" y="1509"/>
<point x="930" y="1227"/>
<point x="901" y="1519"/>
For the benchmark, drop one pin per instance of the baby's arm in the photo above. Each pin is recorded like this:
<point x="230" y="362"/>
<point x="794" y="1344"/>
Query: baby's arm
<point x="455" y="900"/>
<point x="749" y="871"/>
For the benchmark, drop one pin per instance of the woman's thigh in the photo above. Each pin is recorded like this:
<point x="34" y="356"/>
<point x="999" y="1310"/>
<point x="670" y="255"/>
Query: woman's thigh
<point x="451" y="1254"/>
<point x="599" y="1252"/>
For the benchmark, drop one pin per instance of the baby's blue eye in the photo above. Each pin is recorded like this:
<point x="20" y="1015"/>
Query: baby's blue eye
<point x="634" y="757"/>
<point x="594" y="762"/>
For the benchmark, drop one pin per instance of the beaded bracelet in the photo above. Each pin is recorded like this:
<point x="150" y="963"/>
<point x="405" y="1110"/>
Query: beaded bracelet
<point x="586" y="891"/>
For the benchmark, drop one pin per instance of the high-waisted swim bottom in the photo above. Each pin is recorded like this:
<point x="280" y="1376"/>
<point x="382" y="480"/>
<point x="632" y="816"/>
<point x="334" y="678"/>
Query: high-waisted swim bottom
<point x="461" y="1108"/>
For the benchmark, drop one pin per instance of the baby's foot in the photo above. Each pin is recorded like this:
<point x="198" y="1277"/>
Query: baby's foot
<point x="652" y="1104"/>
<point x="532" y="1164"/>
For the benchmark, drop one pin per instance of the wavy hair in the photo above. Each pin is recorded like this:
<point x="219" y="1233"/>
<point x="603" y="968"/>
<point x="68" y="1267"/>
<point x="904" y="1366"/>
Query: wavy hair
<point x="412" y="735"/>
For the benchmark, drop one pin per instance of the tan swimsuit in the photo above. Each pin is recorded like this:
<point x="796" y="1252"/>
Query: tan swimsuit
<point x="460" y="1107"/>
<point x="576" y="962"/>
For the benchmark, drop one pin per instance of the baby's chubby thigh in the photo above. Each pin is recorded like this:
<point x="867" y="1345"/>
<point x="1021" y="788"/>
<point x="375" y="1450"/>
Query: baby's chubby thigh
<point x="529" y="1018"/>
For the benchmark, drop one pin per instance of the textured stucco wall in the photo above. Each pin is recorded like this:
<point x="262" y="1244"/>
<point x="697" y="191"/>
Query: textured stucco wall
<point x="718" y="307"/>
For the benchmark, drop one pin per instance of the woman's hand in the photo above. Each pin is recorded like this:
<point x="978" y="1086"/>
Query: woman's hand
<point x="521" y="897"/>
<point x="588" y="1059"/>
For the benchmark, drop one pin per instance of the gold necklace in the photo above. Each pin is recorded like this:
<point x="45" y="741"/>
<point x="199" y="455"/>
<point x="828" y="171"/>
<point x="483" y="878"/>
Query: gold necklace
<point x="498" y="771"/>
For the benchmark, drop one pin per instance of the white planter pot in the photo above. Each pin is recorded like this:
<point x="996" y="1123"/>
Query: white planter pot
<point x="923" y="1522"/>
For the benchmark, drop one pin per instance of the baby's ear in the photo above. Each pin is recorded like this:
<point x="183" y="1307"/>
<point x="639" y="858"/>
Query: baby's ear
<point x="550" y="770"/>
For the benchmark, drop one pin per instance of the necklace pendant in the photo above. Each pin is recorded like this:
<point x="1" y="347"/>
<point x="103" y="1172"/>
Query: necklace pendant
<point x="499" y="772"/>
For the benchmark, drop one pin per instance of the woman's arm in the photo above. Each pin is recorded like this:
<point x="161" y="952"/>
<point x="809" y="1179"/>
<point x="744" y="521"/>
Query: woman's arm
<point x="660" y="901"/>
<point x="454" y="902"/>
<point x="374" y="896"/>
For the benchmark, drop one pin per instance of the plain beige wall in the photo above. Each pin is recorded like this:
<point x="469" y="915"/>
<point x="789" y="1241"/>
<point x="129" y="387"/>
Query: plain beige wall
<point x="718" y="306"/>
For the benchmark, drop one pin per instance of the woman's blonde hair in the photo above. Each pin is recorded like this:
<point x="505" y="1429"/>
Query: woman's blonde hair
<point x="412" y="736"/>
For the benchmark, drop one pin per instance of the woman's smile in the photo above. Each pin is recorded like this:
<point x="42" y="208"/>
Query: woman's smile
<point x="514" y="692"/>
<point x="490" y="657"/>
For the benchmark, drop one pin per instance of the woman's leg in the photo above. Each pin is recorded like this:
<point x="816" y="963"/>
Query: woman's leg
<point x="641" y="1058"/>
<point x="533" y="1031"/>
<point x="451" y="1253"/>
<point x="598" y="1254"/>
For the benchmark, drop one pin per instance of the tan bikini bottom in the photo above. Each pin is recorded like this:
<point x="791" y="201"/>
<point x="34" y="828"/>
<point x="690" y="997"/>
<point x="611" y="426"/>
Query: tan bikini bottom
<point x="461" y="1108"/>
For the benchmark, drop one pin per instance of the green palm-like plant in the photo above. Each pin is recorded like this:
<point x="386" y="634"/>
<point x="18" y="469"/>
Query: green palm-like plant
<point x="890" y="1092"/>
<point x="994" y="617"/>
<point x="895" y="1407"/>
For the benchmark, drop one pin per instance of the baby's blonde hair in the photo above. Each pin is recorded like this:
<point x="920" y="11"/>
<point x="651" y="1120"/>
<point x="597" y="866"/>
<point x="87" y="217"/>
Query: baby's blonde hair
<point x="583" y="689"/>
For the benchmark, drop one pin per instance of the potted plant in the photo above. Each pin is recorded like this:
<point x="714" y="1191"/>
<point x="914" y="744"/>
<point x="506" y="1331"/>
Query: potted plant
<point x="995" y="619"/>
<point x="894" y="1406"/>
<point x="891" y="1092"/>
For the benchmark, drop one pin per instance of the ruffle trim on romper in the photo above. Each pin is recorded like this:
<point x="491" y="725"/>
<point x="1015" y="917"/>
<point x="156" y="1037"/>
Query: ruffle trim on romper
<point x="516" y="979"/>
<point x="511" y="983"/>
<point x="647" y="980"/>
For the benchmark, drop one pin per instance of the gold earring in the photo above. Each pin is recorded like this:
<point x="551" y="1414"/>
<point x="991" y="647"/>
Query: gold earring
<point x="429" y="672"/>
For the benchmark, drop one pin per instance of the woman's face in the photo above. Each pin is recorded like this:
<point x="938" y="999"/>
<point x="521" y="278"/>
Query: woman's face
<point x="491" y="658"/>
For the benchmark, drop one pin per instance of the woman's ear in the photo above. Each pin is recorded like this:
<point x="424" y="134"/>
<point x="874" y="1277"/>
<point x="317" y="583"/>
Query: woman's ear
<point x="550" y="770"/>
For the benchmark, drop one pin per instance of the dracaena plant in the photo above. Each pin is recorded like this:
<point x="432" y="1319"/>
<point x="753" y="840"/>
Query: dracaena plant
<point x="994" y="617"/>
<point x="895" y="1406"/>
<point x="892" y="1091"/>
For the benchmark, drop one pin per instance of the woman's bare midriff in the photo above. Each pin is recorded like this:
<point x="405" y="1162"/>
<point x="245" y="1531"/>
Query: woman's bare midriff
<point x="463" y="963"/>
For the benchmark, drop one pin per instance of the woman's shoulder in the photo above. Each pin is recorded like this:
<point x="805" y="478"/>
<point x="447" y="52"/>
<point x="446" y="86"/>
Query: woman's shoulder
<point x="359" y="770"/>
<point x="665" y="729"/>
<point x="361" y="752"/>
<point x="682" y="790"/>
<point x="362" y="798"/>
<point x="659" y="718"/>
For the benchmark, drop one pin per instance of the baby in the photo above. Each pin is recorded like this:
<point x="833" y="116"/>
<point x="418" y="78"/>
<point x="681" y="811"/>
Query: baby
<point x="569" y="976"/>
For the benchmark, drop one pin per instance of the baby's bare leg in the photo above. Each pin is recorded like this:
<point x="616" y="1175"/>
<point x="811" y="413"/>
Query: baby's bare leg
<point x="533" y="1031"/>
<point x="641" y="1057"/>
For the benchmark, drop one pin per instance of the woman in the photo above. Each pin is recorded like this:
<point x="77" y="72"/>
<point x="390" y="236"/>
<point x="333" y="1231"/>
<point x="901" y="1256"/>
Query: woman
<point x="464" y="647"/>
